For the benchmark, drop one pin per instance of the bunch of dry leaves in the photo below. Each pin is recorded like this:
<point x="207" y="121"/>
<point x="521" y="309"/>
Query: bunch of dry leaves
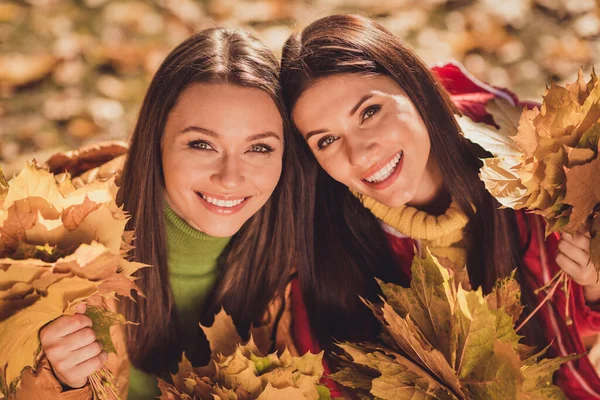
<point x="240" y="372"/>
<point x="440" y="341"/>
<point x="545" y="160"/>
<point x="58" y="246"/>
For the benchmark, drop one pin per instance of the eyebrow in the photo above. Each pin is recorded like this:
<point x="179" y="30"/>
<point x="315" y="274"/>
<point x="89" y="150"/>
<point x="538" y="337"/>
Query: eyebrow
<point x="360" y="102"/>
<point x="262" y="135"/>
<point x="313" y="133"/>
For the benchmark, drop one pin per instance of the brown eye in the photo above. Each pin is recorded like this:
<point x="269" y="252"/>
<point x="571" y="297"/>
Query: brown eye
<point x="370" y="111"/>
<point x="326" y="141"/>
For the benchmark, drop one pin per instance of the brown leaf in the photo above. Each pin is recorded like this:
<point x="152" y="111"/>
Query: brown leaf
<point x="583" y="192"/>
<point x="74" y="215"/>
<point x="579" y="156"/>
<point x="506" y="294"/>
<point x="14" y="225"/>
<point x="20" y="69"/>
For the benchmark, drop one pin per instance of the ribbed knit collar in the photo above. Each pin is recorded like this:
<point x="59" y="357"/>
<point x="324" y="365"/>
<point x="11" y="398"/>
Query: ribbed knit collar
<point x="418" y="224"/>
<point x="190" y="251"/>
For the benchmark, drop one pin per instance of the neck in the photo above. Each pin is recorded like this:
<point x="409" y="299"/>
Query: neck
<point x="432" y="196"/>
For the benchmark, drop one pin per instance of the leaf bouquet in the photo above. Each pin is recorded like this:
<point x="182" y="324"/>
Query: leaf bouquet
<point x="58" y="246"/>
<point x="239" y="371"/>
<point x="441" y="341"/>
<point x="545" y="160"/>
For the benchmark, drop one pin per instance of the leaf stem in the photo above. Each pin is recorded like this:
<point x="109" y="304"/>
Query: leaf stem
<point x="558" y="278"/>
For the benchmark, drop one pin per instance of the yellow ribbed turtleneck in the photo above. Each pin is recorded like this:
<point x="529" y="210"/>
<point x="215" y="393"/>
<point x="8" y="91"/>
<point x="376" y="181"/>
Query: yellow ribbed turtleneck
<point x="442" y="234"/>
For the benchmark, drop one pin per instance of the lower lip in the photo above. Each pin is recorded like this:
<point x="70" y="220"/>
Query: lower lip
<point x="389" y="180"/>
<point x="222" y="210"/>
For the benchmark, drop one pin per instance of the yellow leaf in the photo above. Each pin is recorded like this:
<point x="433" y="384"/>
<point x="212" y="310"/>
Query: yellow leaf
<point x="19" y="347"/>
<point x="503" y="182"/>
<point x="526" y="136"/>
<point x="35" y="189"/>
<point x="222" y="335"/>
<point x="288" y="393"/>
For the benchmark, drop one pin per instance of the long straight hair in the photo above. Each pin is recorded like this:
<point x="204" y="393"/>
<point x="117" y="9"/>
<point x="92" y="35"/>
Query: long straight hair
<point x="255" y="266"/>
<point x="350" y="247"/>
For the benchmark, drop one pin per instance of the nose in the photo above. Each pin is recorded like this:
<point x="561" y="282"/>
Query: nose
<point x="361" y="152"/>
<point x="229" y="174"/>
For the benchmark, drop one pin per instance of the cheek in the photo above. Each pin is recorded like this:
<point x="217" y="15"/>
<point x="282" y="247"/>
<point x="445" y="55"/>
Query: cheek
<point x="336" y="165"/>
<point x="266" y="177"/>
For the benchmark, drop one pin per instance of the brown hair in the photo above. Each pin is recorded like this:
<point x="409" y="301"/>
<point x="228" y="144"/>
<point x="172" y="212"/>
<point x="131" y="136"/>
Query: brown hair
<point x="349" y="245"/>
<point x="255" y="266"/>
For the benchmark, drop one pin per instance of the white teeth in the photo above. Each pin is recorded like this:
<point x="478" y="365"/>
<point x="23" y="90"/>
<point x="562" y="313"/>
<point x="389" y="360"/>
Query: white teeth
<point x="386" y="171"/>
<point x="222" y="203"/>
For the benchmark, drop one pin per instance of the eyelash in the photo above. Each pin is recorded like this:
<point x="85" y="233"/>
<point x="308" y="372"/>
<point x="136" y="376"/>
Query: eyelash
<point x="194" y="144"/>
<point x="268" y="149"/>
<point x="321" y="143"/>
<point x="375" y="108"/>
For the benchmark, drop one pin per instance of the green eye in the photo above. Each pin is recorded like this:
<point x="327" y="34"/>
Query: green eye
<point x="200" y="145"/>
<point x="261" y="148"/>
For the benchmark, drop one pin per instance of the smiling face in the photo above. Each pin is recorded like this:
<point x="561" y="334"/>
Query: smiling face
<point x="366" y="133"/>
<point x="222" y="155"/>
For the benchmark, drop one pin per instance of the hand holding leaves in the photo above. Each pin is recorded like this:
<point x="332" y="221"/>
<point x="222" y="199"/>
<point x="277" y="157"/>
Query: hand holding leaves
<point x="573" y="257"/>
<point x="72" y="349"/>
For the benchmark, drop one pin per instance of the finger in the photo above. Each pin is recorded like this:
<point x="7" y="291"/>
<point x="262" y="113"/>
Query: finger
<point x="90" y="366"/>
<point x="585" y="229"/>
<point x="63" y="326"/>
<point x="78" y="374"/>
<point x="79" y="339"/>
<point x="82" y="355"/>
<point x="578" y="239"/>
<point x="80" y="308"/>
<point x="578" y="255"/>
<point x="583" y="276"/>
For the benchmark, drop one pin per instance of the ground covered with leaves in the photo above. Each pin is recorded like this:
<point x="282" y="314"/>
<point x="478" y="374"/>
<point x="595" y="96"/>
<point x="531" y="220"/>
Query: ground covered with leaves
<point x="74" y="71"/>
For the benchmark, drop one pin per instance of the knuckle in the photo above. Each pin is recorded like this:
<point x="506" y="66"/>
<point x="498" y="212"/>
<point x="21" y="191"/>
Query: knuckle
<point x="95" y="348"/>
<point x="96" y="363"/>
<point x="60" y="365"/>
<point x="88" y="335"/>
<point x="81" y="321"/>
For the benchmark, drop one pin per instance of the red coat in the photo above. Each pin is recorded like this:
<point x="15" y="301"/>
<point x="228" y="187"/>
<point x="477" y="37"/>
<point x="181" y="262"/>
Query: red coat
<point x="578" y="379"/>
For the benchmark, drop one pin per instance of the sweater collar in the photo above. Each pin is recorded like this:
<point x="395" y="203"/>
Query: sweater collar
<point x="418" y="224"/>
<point x="187" y="245"/>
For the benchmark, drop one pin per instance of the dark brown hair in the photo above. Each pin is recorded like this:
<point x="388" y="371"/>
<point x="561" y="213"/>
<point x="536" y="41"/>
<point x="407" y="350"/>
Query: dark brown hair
<point x="350" y="247"/>
<point x="255" y="266"/>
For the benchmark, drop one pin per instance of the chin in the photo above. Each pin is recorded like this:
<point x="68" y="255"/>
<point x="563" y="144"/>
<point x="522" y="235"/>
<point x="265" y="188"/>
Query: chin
<point x="222" y="231"/>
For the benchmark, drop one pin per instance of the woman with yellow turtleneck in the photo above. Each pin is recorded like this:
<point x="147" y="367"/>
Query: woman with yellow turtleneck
<point x="392" y="173"/>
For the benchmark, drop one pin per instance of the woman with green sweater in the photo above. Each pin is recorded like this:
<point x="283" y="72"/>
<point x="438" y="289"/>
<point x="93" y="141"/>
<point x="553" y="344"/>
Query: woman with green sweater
<point x="212" y="184"/>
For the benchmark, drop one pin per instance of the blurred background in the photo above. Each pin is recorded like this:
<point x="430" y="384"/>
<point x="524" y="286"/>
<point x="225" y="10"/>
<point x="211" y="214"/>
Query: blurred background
<point x="73" y="72"/>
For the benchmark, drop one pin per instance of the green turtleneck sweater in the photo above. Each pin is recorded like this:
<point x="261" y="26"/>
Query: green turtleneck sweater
<point x="192" y="257"/>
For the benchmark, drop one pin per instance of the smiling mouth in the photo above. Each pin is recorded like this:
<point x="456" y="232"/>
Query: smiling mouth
<point x="224" y="203"/>
<point x="386" y="171"/>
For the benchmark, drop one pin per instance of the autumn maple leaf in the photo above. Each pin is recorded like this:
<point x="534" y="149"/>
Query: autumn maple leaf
<point x="59" y="245"/>
<point x="441" y="341"/>
<point x="545" y="160"/>
<point x="238" y="370"/>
